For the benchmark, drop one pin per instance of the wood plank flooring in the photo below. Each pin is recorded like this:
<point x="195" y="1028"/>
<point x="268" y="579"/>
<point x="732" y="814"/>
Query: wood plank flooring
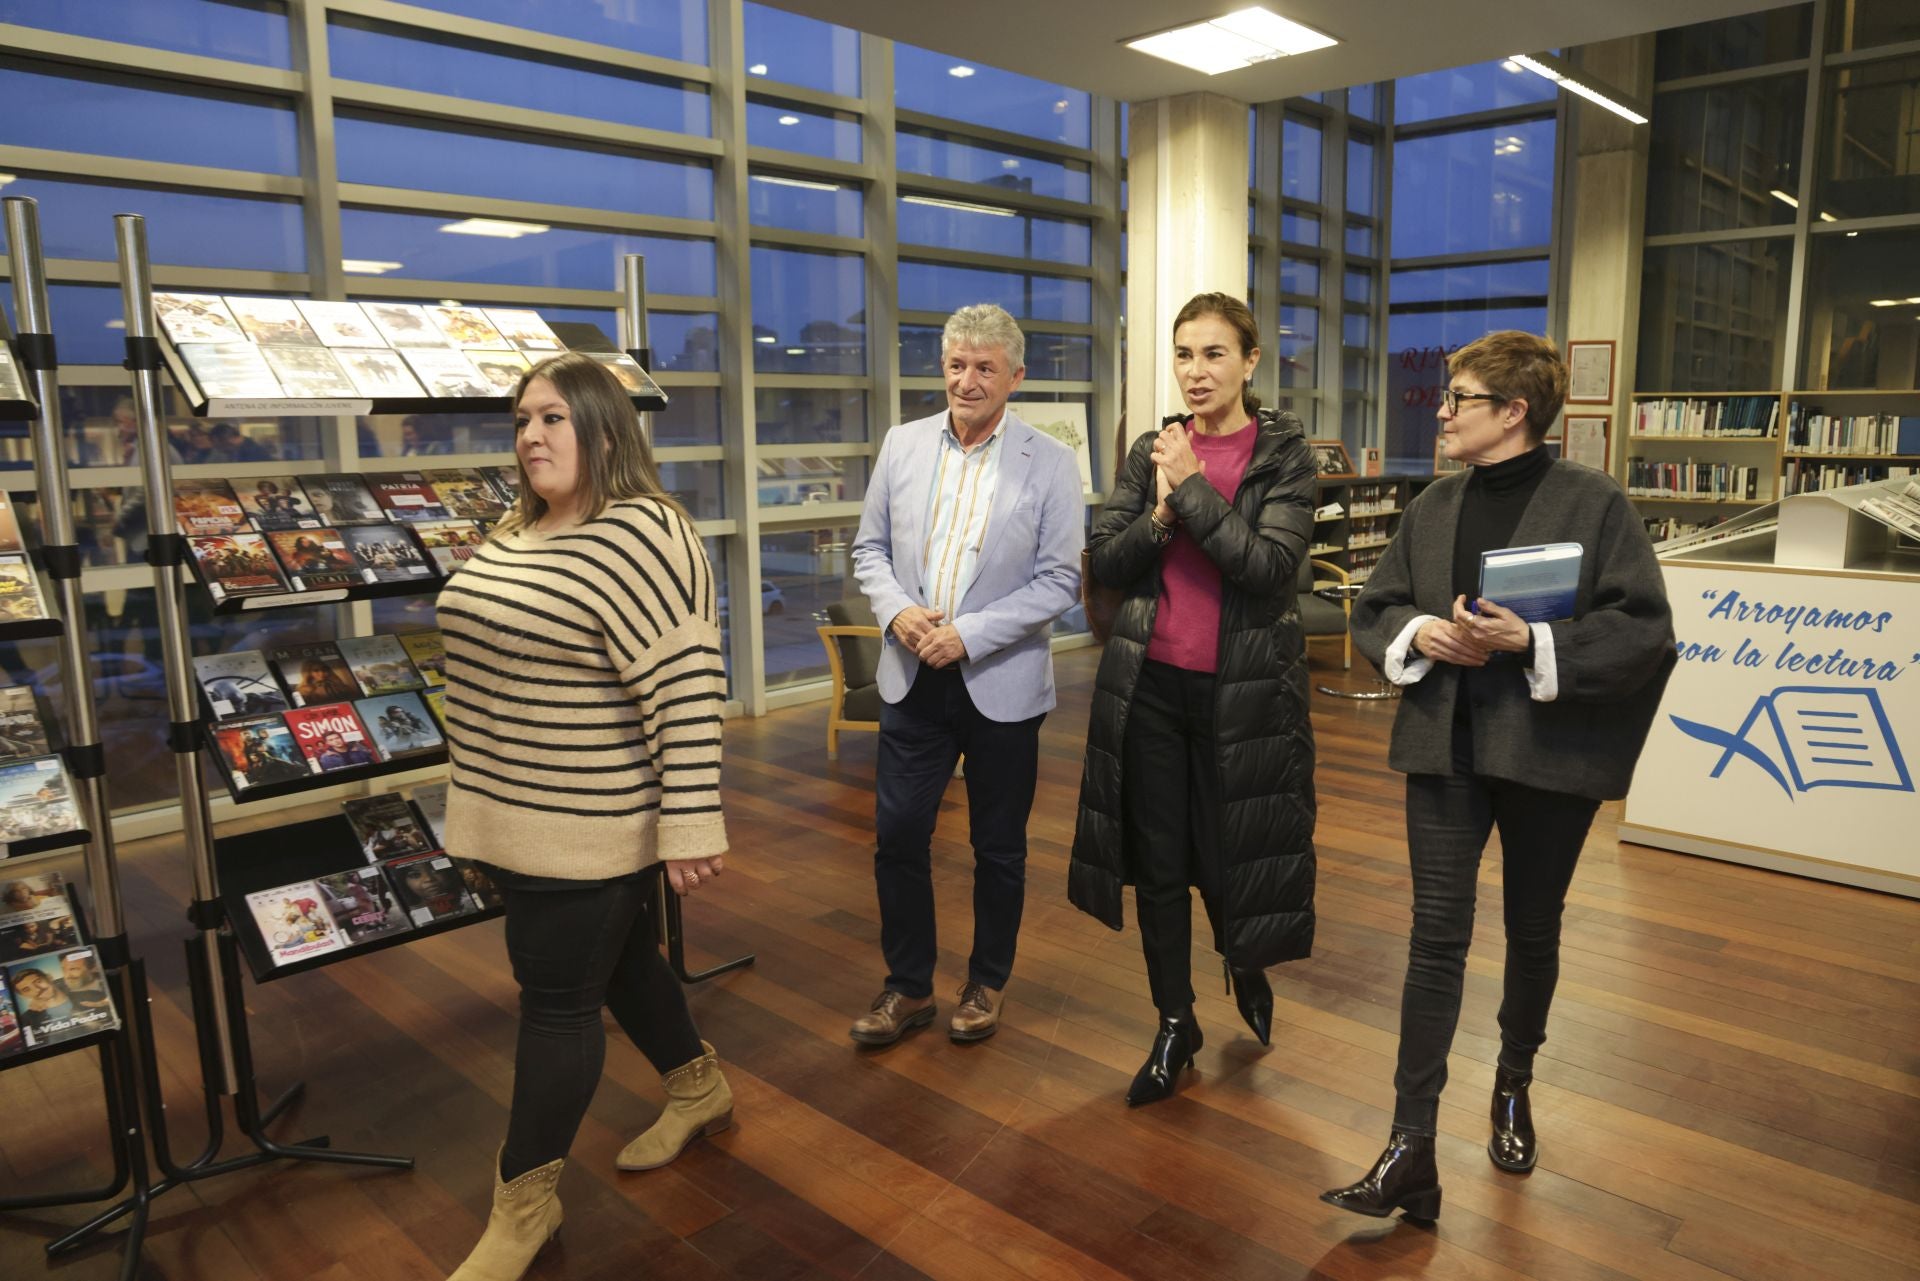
<point x="1731" y="1088"/>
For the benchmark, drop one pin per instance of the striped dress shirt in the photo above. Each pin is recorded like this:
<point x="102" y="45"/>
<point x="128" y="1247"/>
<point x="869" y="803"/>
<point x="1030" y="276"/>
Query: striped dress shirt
<point x="963" y="485"/>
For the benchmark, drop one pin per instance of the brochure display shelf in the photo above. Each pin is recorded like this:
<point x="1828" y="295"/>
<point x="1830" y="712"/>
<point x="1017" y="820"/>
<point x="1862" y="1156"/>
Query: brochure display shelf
<point x="29" y="373"/>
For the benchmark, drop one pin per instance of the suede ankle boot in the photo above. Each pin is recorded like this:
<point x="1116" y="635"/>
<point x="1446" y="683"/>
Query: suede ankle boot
<point x="526" y="1214"/>
<point x="699" y="1103"/>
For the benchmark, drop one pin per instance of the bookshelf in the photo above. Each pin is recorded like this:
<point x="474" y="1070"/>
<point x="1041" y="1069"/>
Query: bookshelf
<point x="1369" y="517"/>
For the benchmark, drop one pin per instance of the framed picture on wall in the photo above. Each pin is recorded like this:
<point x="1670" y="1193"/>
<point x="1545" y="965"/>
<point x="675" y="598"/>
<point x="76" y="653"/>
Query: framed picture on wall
<point x="1590" y="372"/>
<point x="1066" y="422"/>
<point x="1584" y="440"/>
<point x="1331" y="460"/>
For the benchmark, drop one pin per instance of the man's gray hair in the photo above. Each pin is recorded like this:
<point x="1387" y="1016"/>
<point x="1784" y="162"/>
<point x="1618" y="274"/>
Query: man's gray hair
<point x="985" y="325"/>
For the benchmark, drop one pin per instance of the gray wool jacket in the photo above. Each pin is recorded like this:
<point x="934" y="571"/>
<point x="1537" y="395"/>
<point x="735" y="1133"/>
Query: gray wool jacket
<point x="1612" y="657"/>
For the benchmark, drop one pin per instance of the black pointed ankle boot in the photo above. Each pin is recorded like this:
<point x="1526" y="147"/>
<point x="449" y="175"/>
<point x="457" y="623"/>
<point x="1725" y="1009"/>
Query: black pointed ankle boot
<point x="1174" y="1046"/>
<point x="1405" y="1177"/>
<point x="1254" y="995"/>
<point x="1512" y="1146"/>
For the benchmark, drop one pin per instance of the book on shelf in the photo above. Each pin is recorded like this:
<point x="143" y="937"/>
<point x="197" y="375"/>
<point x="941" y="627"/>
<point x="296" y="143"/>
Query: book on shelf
<point x="430" y="803"/>
<point x="430" y="887"/>
<point x="315" y="559"/>
<point x="1726" y="416"/>
<point x="10" y="539"/>
<point x="276" y="502"/>
<point x="342" y="500"/>
<point x="339" y="324"/>
<point x="1810" y="431"/>
<point x="380" y="372"/>
<point x="313" y="673"/>
<point x="234" y="565"/>
<point x="1701" y="480"/>
<point x="447" y="373"/>
<point x="428" y="650"/>
<point x="196" y="318"/>
<point x="466" y="494"/>
<point x="379" y="663"/>
<point x="22" y="732"/>
<point x="309" y="372"/>
<point x="330" y="736"/>
<point x="238" y="684"/>
<point x="272" y="320"/>
<point x="36" y="800"/>
<point x="13" y="382"/>
<point x="294" y="922"/>
<point x="400" y="726"/>
<point x="259" y="751"/>
<point x="20" y="598"/>
<point x="502" y="369"/>
<point x="60" y="997"/>
<point x="207" y="506"/>
<point x="525" y="330"/>
<point x="406" y="496"/>
<point x="387" y="827"/>
<point x="362" y="904"/>
<point x="451" y="543"/>
<point x="1811" y="476"/>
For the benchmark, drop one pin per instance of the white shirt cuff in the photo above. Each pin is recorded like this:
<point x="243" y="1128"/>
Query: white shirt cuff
<point x="1403" y="666"/>
<point x="1543" y="678"/>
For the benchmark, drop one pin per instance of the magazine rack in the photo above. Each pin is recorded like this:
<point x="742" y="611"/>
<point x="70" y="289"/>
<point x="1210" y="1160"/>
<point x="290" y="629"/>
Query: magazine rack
<point x="121" y="1054"/>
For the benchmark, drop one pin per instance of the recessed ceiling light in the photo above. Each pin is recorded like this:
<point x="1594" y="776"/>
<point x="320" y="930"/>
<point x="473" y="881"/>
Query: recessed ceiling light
<point x="116" y="323"/>
<point x="1784" y="198"/>
<point x="775" y="180"/>
<point x="450" y="302"/>
<point x="1511" y="65"/>
<point x="796" y="351"/>
<point x="1009" y="163"/>
<point x="935" y="202"/>
<point x="1852" y="234"/>
<point x="1884" y="302"/>
<point x="1550" y="68"/>
<point x="757" y="69"/>
<point x="498" y="227"/>
<point x="960" y="72"/>
<point x="1827" y="217"/>
<point x="368" y="267"/>
<point x="1238" y="40"/>
<point x="769" y="339"/>
<point x="789" y="120"/>
<point x="6" y="178"/>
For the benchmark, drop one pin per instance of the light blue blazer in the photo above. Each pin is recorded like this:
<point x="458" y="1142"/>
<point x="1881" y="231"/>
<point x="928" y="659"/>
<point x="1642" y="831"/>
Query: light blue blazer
<point x="1028" y="572"/>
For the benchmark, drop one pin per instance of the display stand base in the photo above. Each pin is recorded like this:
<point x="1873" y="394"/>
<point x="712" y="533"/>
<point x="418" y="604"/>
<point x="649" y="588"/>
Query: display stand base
<point x="675" y="931"/>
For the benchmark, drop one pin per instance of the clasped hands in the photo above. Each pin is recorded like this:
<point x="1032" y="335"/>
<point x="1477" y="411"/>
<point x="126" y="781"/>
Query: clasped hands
<point x="926" y="633"/>
<point x="1173" y="462"/>
<point x="1469" y="639"/>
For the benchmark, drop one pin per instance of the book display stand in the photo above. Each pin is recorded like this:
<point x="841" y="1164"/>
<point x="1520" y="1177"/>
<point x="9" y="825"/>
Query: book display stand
<point x="32" y="394"/>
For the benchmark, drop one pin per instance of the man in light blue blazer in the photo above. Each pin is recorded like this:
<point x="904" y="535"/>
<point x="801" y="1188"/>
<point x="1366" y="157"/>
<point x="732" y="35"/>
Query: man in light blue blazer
<point x="969" y="548"/>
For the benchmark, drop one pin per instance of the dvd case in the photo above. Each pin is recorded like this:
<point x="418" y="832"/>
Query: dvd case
<point x="451" y="543"/>
<point x="525" y="330"/>
<point x="385" y="554"/>
<point x="342" y="500"/>
<point x="505" y="481"/>
<point x="313" y="673"/>
<point x="400" y="725"/>
<point x="229" y="370"/>
<point x="271" y="320"/>
<point x="466" y="495"/>
<point x="293" y="922"/>
<point x="386" y="827"/>
<point x="20" y="599"/>
<point x="197" y="318"/>
<point x="259" y="751"/>
<point x="276" y="502"/>
<point x="206" y="506"/>
<point x="430" y="887"/>
<point x="238" y="684"/>
<point x="404" y="324"/>
<point x="466" y="326"/>
<point x="430" y="803"/>
<point x="379" y="663"/>
<point x="362" y="904"/>
<point x="428" y="650"/>
<point x="330" y="736"/>
<point x="36" y="800"/>
<point x="13" y="383"/>
<point x="237" y="565"/>
<point x="315" y="559"/>
<point x="448" y="374"/>
<point x="61" y="997"/>
<point x="340" y="324"/>
<point x="11" y="1040"/>
<point x="380" y="373"/>
<point x="22" y="733"/>
<point x="308" y="371"/>
<point x="503" y="369"/>
<point x="406" y="496"/>
<point x="10" y="540"/>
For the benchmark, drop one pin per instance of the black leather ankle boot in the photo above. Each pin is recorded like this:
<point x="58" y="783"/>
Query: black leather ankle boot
<point x="1405" y="1177"/>
<point x="1174" y="1046"/>
<point x="1254" y="996"/>
<point x="1512" y="1146"/>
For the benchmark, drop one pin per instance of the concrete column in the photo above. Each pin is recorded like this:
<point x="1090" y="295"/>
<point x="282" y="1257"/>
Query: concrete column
<point x="1186" y="231"/>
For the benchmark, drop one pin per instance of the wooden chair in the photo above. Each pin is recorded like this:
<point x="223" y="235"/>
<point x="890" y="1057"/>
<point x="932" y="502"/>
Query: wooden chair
<point x="851" y="638"/>
<point x="1321" y="619"/>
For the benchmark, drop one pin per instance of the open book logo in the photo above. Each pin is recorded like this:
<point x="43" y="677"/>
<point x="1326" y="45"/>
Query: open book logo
<point x="1808" y="736"/>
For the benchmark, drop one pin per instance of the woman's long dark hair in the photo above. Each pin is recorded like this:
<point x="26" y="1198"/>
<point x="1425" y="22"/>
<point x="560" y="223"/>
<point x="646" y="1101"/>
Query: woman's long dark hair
<point x="1236" y="314"/>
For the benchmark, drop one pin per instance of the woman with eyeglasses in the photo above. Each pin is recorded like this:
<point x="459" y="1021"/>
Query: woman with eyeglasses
<point x="1502" y="722"/>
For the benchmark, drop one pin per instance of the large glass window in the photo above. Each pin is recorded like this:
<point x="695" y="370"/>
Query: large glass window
<point x="926" y="286"/>
<point x="1724" y="157"/>
<point x="183" y="229"/>
<point x="664" y="28"/>
<point x="1734" y="44"/>
<point x="1863" y="324"/>
<point x="809" y="416"/>
<point x="421" y="247"/>
<point x="1871" y="116"/>
<point x="940" y="155"/>
<point x="801" y="51"/>
<point x="812" y="132"/>
<point x="1456" y="91"/>
<point x="805" y="571"/>
<point x="1714" y="317"/>
<point x="939" y="84"/>
<point x="244" y="32"/>
<point x="1434" y="312"/>
<point x="1477" y="189"/>
<point x="1862" y="24"/>
<point x="1300" y="160"/>
<point x="805" y="204"/>
<point x="990" y="229"/>
<point x="809" y="312"/>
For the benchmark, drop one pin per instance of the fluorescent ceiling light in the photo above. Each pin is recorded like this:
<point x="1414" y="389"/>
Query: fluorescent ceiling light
<point x="1511" y="65"/>
<point x="1827" y="217"/>
<point x="777" y="181"/>
<point x="1549" y="68"/>
<point x="116" y="323"/>
<point x="1238" y="40"/>
<point x="500" y="228"/>
<point x="757" y="69"/>
<point x="935" y="202"/>
<point x="769" y="339"/>
<point x="960" y="72"/>
<point x="1884" y="302"/>
<point x="789" y="120"/>
<point x="368" y="267"/>
<point x="796" y="351"/>
<point x="1784" y="198"/>
<point x="450" y="302"/>
<point x="6" y="178"/>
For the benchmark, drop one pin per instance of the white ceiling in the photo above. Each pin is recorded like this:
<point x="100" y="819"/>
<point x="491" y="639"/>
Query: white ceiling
<point x="1076" y="42"/>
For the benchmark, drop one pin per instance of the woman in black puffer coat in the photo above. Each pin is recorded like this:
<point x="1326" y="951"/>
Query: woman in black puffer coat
<point x="1199" y="765"/>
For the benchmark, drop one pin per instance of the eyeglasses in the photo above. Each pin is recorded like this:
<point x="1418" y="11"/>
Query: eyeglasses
<point x="1451" y="398"/>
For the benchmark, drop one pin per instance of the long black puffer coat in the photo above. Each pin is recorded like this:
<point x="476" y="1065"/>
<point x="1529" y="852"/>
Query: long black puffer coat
<point x="1265" y="736"/>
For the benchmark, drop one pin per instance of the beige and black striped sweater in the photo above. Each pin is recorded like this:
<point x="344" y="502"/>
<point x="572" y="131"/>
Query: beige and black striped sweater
<point x="584" y="697"/>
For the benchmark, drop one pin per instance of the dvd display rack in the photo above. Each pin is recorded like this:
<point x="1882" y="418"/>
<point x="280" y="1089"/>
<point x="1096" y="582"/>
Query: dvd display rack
<point x="67" y="1019"/>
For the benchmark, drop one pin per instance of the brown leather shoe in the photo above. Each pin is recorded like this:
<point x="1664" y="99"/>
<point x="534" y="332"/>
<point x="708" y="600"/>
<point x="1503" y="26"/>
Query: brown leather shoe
<point x="893" y="1015"/>
<point x="979" y="1014"/>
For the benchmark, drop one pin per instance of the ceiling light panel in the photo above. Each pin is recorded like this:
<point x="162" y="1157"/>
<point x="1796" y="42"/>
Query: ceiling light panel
<point x="1241" y="39"/>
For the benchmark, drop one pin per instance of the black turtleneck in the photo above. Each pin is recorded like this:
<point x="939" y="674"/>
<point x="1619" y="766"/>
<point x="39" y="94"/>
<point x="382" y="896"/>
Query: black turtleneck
<point x="1490" y="512"/>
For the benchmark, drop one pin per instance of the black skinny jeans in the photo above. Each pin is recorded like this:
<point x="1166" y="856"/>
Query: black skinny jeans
<point x="1170" y="807"/>
<point x="1449" y="817"/>
<point x="577" y="946"/>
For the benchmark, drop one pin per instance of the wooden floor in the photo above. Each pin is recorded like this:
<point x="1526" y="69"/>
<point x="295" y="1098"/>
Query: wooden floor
<point x="1731" y="1087"/>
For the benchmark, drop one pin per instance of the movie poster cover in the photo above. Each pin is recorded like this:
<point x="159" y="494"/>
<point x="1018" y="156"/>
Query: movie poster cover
<point x="308" y="371"/>
<point x="342" y="500"/>
<point x="480" y="886"/>
<point x="503" y="370"/>
<point x="22" y="733"/>
<point x="331" y="737"/>
<point x="465" y="494"/>
<point x="404" y="324"/>
<point x="362" y="904"/>
<point x="340" y="324"/>
<point x="525" y="330"/>
<point x="406" y="496"/>
<point x="379" y="664"/>
<point x="237" y="565"/>
<point x="11" y="1040"/>
<point x="437" y="704"/>
<point x="380" y="374"/>
<point x="314" y="673"/>
<point x="430" y="888"/>
<point x="451" y="543"/>
<point x="60" y="997"/>
<point x="207" y="506"/>
<point x="13" y="385"/>
<point x="385" y="554"/>
<point x="230" y="370"/>
<point x="10" y="540"/>
<point x="201" y="318"/>
<point x="272" y="320"/>
<point x="400" y="724"/>
<point x="430" y="803"/>
<point x="276" y="502"/>
<point x="316" y="559"/>
<point x="386" y="827"/>
<point x="628" y="371"/>
<point x="36" y="800"/>
<point x="505" y="481"/>
<point x="259" y="751"/>
<point x="20" y="599"/>
<point x="238" y="684"/>
<point x="448" y="374"/>
<point x="466" y="326"/>
<point x="428" y="650"/>
<point x="293" y="922"/>
<point x="35" y="917"/>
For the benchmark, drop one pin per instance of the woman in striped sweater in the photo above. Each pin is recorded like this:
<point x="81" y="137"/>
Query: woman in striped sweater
<point x="584" y="692"/>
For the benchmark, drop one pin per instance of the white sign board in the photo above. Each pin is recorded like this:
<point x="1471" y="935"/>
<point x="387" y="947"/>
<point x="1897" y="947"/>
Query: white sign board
<point x="1789" y="736"/>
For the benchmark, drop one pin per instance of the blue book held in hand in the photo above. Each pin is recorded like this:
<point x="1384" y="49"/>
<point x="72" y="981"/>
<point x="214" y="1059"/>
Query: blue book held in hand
<point x="1537" y="583"/>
